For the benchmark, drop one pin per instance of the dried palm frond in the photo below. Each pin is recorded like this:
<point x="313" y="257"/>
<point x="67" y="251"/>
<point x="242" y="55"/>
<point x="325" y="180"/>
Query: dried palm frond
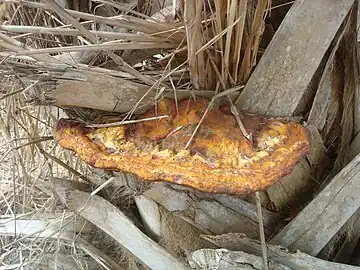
<point x="42" y="44"/>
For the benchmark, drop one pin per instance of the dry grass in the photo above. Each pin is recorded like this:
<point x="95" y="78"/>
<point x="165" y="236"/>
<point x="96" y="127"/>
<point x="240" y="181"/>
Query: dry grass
<point x="229" y="37"/>
<point x="221" y="39"/>
<point x="25" y="174"/>
<point x="30" y="159"/>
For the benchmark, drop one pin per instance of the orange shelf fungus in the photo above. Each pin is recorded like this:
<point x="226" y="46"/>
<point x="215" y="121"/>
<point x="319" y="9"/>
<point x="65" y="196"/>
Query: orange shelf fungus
<point x="219" y="159"/>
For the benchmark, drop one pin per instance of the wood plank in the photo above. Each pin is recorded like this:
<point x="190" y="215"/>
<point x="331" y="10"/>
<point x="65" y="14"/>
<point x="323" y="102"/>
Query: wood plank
<point x="357" y="92"/>
<point x="293" y="56"/>
<point x="222" y="259"/>
<point x="317" y="157"/>
<point x="346" y="239"/>
<point x="150" y="215"/>
<point x="347" y="120"/>
<point x="96" y="90"/>
<point x="212" y="213"/>
<point x="322" y="100"/>
<point x="169" y="198"/>
<point x="320" y="220"/>
<point x="297" y="260"/>
<point x="116" y="224"/>
<point x="219" y="219"/>
<point x="323" y="80"/>
<point x="318" y="150"/>
<point x="357" y="103"/>
<point x="334" y="109"/>
<point x="56" y="225"/>
<point x="290" y="189"/>
<point x="270" y="220"/>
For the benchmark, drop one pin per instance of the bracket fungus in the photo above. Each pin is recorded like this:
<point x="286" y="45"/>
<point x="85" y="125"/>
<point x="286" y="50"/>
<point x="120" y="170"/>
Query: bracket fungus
<point x="219" y="159"/>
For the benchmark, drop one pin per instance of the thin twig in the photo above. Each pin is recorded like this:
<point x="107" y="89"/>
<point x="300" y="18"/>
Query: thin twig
<point x="62" y="164"/>
<point x="76" y="32"/>
<point x="33" y="142"/>
<point x="152" y="88"/>
<point x="18" y="91"/>
<point x="235" y="112"/>
<point x="98" y="47"/>
<point x="261" y="229"/>
<point x="208" y="108"/>
<point x="114" y="124"/>
<point x="103" y="185"/>
<point x="218" y="36"/>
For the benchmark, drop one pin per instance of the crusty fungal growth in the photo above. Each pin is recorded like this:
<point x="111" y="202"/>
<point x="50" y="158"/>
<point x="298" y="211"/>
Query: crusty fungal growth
<point x="219" y="160"/>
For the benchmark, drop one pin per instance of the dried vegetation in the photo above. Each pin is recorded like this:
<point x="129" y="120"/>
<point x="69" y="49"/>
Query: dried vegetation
<point x="153" y="43"/>
<point x="105" y="61"/>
